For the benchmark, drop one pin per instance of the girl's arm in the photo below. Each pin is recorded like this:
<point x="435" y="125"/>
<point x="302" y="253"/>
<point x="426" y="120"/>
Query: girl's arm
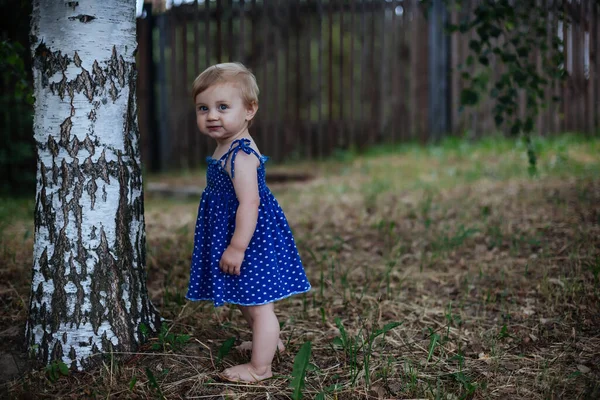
<point x="245" y="184"/>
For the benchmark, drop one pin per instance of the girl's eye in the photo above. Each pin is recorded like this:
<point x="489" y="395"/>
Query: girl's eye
<point x="202" y="108"/>
<point x="223" y="107"/>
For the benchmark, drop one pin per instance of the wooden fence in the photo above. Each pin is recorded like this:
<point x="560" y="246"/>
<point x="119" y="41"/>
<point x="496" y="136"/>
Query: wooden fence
<point x="333" y="75"/>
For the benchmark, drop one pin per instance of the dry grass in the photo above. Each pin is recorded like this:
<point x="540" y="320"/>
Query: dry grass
<point x="493" y="275"/>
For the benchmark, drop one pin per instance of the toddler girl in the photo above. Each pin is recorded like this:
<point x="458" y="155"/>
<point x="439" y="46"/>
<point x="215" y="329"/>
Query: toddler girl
<point x="244" y="252"/>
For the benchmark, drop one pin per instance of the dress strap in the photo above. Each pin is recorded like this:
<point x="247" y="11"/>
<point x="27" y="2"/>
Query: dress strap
<point x="242" y="144"/>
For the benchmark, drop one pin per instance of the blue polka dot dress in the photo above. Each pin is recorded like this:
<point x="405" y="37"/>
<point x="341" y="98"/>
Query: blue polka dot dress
<point x="271" y="270"/>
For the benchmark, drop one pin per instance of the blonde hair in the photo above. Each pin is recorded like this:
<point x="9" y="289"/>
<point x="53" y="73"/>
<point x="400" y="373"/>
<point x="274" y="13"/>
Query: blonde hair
<point x="228" y="72"/>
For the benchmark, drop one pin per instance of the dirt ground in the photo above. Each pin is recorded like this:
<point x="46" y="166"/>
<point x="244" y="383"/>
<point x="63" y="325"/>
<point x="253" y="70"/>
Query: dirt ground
<point x="492" y="278"/>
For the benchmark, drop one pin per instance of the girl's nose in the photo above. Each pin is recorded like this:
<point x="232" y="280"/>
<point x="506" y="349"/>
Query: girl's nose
<point x="212" y="114"/>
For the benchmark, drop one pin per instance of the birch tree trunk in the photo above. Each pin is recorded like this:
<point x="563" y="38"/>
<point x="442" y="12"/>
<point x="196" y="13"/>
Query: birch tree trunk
<point x="88" y="291"/>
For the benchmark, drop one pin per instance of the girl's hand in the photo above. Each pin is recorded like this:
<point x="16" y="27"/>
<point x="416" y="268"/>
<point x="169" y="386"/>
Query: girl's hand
<point x="231" y="260"/>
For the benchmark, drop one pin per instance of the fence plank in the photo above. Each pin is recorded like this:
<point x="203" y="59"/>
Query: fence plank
<point x="264" y="116"/>
<point x="231" y="52"/>
<point x="286" y="101"/>
<point x="555" y="107"/>
<point x="307" y="89"/>
<point x="383" y="86"/>
<point x="394" y="78"/>
<point x="455" y="57"/>
<point x="320" y="140"/>
<point x="588" y="15"/>
<point x="196" y="142"/>
<point x="299" y="66"/>
<point x="173" y="82"/>
<point x="342" y="134"/>
<point x="438" y="66"/>
<point x="330" y="132"/>
<point x="351" y="124"/>
<point x="241" y="54"/>
<point x="404" y="71"/>
<point x="219" y="46"/>
<point x="276" y="109"/>
<point x="207" y="36"/>
<point x="545" y="127"/>
<point x="181" y="89"/>
<point x="419" y="58"/>
<point x="596" y="66"/>
<point x="565" y="105"/>
<point x="164" y="116"/>
<point x="372" y="95"/>
<point x="363" y="63"/>
<point x="578" y="76"/>
<point x="145" y="92"/>
<point x="254" y="36"/>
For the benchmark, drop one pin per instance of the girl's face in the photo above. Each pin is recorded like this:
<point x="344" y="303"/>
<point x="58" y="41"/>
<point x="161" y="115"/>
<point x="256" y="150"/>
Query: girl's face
<point x="221" y="112"/>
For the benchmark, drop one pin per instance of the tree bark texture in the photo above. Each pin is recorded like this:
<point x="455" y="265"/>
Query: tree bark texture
<point x="88" y="291"/>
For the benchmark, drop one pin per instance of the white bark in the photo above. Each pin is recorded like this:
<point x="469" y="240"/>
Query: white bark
<point x="88" y="287"/>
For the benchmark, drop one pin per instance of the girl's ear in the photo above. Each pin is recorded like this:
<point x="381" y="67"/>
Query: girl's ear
<point x="251" y="110"/>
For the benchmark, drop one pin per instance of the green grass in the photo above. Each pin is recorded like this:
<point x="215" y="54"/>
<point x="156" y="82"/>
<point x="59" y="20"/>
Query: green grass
<point x="16" y="208"/>
<point x="452" y="163"/>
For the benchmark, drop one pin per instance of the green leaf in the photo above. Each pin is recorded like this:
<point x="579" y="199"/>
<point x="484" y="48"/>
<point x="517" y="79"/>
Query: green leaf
<point x="225" y="349"/>
<point x="63" y="368"/>
<point x="523" y="51"/>
<point x="573" y="375"/>
<point x="516" y="128"/>
<point x="475" y="46"/>
<point x="338" y="323"/>
<point x="51" y="373"/>
<point x="432" y="343"/>
<point x="312" y="367"/>
<point x="337" y="341"/>
<point x="153" y="382"/>
<point x="143" y="329"/>
<point x="182" y="339"/>
<point x="468" y="97"/>
<point x="508" y="57"/>
<point x="132" y="382"/>
<point x="520" y="77"/>
<point x="503" y="332"/>
<point x="386" y="328"/>
<point x="495" y="31"/>
<point x="299" y="370"/>
<point x="484" y="36"/>
<point x="499" y="119"/>
<point x="528" y="126"/>
<point x="329" y="389"/>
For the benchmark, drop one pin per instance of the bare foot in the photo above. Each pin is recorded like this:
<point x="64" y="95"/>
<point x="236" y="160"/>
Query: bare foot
<point x="246" y="373"/>
<point x="247" y="346"/>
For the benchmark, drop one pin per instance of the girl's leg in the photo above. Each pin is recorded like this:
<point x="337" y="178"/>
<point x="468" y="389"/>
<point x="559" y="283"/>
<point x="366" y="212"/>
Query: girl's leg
<point x="265" y="336"/>
<point x="247" y="346"/>
<point x="246" y="314"/>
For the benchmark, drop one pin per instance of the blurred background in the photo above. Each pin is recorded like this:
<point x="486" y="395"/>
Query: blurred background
<point x="334" y="76"/>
